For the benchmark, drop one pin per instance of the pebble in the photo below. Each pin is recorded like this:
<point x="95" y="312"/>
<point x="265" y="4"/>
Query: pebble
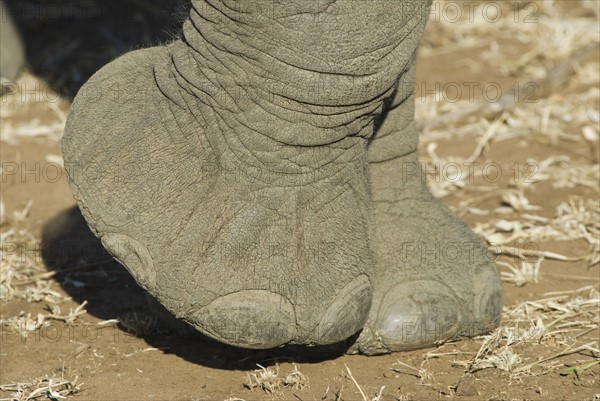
<point x="466" y="386"/>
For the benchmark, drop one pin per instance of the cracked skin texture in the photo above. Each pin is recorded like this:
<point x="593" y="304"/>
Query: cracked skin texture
<point x="258" y="177"/>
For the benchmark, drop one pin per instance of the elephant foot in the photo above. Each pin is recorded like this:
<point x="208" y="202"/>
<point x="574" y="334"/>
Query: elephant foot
<point x="254" y="241"/>
<point x="434" y="280"/>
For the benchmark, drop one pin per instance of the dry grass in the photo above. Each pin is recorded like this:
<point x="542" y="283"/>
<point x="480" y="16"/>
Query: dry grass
<point x="139" y="325"/>
<point x="577" y="219"/>
<point x="16" y="267"/>
<point x="527" y="273"/>
<point x="559" y="51"/>
<point x="269" y="380"/>
<point x="561" y="320"/>
<point x="558" y="57"/>
<point x="24" y="324"/>
<point x="23" y="276"/>
<point x="31" y="96"/>
<point x="53" y="389"/>
<point x="362" y="392"/>
<point x="422" y="373"/>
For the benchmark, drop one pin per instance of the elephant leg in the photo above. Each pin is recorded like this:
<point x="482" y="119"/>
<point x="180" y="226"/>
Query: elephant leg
<point x="12" y="56"/>
<point x="434" y="280"/>
<point x="228" y="171"/>
<point x="254" y="253"/>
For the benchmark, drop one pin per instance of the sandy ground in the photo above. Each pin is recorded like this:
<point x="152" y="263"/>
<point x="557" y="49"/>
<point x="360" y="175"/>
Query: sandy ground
<point x="516" y="157"/>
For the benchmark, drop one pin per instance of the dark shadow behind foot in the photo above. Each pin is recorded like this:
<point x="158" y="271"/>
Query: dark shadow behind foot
<point x="67" y="41"/>
<point x="88" y="273"/>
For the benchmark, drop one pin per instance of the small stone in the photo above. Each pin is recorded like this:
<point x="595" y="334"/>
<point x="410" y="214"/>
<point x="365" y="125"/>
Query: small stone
<point x="593" y="115"/>
<point x="505" y="226"/>
<point x="589" y="133"/>
<point x="466" y="386"/>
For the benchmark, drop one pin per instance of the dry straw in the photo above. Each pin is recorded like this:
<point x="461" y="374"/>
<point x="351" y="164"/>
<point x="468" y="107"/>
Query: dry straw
<point x="269" y="379"/>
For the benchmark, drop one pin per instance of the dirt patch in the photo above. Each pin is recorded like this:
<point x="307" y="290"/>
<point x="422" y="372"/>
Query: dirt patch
<point x="522" y="173"/>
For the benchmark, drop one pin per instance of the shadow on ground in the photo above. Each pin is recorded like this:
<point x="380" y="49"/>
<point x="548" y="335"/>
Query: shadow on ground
<point x="69" y="40"/>
<point x="88" y="273"/>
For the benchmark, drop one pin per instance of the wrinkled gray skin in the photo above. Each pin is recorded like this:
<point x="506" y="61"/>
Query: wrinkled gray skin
<point x="259" y="178"/>
<point x="12" y="53"/>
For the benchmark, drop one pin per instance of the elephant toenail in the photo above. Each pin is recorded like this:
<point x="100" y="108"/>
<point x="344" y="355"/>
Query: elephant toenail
<point x="490" y="308"/>
<point x="134" y="256"/>
<point x="417" y="314"/>
<point x="347" y="313"/>
<point x="488" y="300"/>
<point x="257" y="319"/>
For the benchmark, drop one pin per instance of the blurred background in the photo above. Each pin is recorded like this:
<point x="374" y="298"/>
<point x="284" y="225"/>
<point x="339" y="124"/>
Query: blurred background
<point x="67" y="41"/>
